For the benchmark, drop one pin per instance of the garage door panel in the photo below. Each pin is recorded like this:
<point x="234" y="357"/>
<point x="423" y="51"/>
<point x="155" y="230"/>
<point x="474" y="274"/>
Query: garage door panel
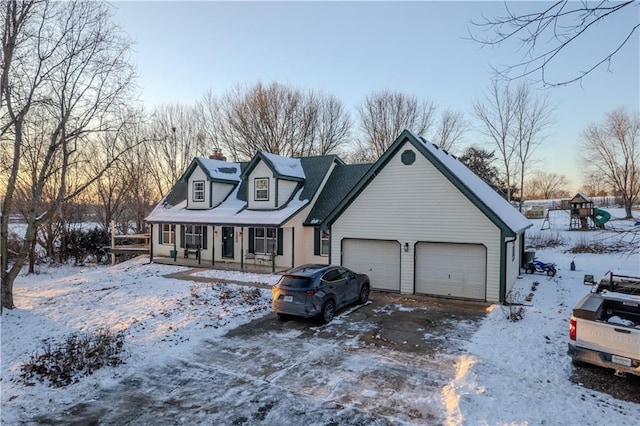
<point x="456" y="270"/>
<point x="379" y="259"/>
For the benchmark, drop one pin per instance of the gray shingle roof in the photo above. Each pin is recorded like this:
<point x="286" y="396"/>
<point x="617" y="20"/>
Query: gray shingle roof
<point x="343" y="178"/>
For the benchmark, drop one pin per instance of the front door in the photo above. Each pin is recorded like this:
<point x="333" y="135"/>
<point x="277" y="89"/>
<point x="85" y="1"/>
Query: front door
<point x="227" y="241"/>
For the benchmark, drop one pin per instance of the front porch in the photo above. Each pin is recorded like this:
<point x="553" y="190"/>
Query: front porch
<point x="250" y="265"/>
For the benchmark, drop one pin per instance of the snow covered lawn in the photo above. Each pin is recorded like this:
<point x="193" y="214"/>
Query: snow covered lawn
<point x="183" y="366"/>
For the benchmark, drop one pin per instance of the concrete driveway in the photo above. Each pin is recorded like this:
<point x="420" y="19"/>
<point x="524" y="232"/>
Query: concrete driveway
<point x="384" y="363"/>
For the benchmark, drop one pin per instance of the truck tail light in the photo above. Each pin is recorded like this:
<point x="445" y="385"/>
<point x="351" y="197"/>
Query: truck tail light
<point x="572" y="328"/>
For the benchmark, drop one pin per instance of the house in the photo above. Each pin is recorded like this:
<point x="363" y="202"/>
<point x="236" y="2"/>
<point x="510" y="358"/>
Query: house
<point x="255" y="212"/>
<point x="417" y="220"/>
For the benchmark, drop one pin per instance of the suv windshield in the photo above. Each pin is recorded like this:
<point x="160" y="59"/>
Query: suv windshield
<point x="295" y="282"/>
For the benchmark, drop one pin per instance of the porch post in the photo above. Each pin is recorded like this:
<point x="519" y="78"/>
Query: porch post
<point x="242" y="248"/>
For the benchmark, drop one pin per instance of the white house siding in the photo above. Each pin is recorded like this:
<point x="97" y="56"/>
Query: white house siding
<point x="261" y="170"/>
<point x="285" y="189"/>
<point x="417" y="203"/>
<point x="198" y="175"/>
<point x="512" y="256"/>
<point x="303" y="240"/>
<point x="159" y="249"/>
<point x="220" y="192"/>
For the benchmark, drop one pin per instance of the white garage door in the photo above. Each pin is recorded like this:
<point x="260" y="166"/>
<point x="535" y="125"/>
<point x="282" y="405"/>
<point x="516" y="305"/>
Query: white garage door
<point x="376" y="258"/>
<point x="456" y="270"/>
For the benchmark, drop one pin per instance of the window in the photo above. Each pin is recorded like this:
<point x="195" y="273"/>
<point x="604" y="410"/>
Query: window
<point x="332" y="275"/>
<point x="198" y="190"/>
<point x="265" y="240"/>
<point x="261" y="189"/>
<point x="168" y="234"/>
<point x="193" y="235"/>
<point x="324" y="243"/>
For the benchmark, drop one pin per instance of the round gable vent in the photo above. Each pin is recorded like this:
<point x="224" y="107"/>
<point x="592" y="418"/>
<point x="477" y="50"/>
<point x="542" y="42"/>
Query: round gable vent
<point x="408" y="157"/>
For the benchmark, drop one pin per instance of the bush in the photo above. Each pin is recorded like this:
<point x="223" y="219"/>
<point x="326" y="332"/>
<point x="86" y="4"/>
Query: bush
<point x="14" y="245"/>
<point x="77" y="243"/>
<point x="540" y="240"/>
<point x="80" y="355"/>
<point x="513" y="307"/>
<point x="585" y="245"/>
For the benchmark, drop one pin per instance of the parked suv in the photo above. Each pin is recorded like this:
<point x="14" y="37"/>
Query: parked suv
<point x="318" y="291"/>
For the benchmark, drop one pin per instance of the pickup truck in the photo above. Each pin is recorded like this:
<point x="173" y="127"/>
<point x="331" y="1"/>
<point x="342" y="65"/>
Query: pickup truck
<point x="605" y="325"/>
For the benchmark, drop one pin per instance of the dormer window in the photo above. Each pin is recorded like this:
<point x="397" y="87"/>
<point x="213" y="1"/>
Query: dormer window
<point x="198" y="190"/>
<point x="261" y="189"/>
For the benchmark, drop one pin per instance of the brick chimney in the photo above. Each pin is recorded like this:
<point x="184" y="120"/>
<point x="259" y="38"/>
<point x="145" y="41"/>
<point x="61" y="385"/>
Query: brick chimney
<point x="217" y="155"/>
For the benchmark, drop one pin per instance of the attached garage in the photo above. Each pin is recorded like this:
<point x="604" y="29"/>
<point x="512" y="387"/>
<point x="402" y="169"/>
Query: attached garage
<point x="419" y="221"/>
<point x="452" y="270"/>
<point x="379" y="259"/>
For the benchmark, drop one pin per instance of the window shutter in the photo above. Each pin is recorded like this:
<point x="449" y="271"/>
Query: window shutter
<point x="280" y="241"/>
<point x="182" y="238"/>
<point x="204" y="236"/>
<point x="159" y="233"/>
<point x="251" y="241"/>
<point x="316" y="241"/>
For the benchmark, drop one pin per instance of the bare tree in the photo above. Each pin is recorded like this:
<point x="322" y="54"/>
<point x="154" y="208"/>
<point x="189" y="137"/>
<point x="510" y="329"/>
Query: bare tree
<point x="595" y="185"/>
<point x="532" y="120"/>
<point x="334" y="125"/>
<point x="384" y="115"/>
<point x="450" y="129"/>
<point x="515" y="121"/>
<point x="612" y="148"/>
<point x="545" y="185"/>
<point x="496" y="115"/>
<point x="141" y="194"/>
<point x="65" y="65"/>
<point x="559" y="27"/>
<point x="176" y="135"/>
<point x="279" y="119"/>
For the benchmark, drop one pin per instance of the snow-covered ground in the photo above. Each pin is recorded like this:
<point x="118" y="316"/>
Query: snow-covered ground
<point x="507" y="373"/>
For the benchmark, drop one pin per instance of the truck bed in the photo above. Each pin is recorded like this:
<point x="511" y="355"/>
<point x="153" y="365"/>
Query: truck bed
<point x="607" y="331"/>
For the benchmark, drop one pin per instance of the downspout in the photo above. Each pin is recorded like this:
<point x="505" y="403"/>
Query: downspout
<point x="503" y="266"/>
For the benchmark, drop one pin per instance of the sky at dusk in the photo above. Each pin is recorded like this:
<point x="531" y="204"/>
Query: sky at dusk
<point x="352" y="49"/>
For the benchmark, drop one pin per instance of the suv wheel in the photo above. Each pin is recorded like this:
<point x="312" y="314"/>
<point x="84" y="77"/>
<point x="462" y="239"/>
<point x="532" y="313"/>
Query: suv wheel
<point x="364" y="294"/>
<point x="328" y="311"/>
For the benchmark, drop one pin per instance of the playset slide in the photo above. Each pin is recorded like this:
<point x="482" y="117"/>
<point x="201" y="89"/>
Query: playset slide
<point x="601" y="217"/>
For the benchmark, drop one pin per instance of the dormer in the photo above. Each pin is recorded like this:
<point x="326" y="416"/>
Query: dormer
<point x="210" y="182"/>
<point x="272" y="180"/>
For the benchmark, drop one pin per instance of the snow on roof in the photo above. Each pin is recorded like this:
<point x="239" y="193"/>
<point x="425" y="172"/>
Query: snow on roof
<point x="583" y="196"/>
<point x="492" y="200"/>
<point x="230" y="212"/>
<point x="218" y="169"/>
<point x="285" y="166"/>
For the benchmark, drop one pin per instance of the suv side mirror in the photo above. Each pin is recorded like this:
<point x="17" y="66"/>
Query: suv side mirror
<point x="588" y="280"/>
